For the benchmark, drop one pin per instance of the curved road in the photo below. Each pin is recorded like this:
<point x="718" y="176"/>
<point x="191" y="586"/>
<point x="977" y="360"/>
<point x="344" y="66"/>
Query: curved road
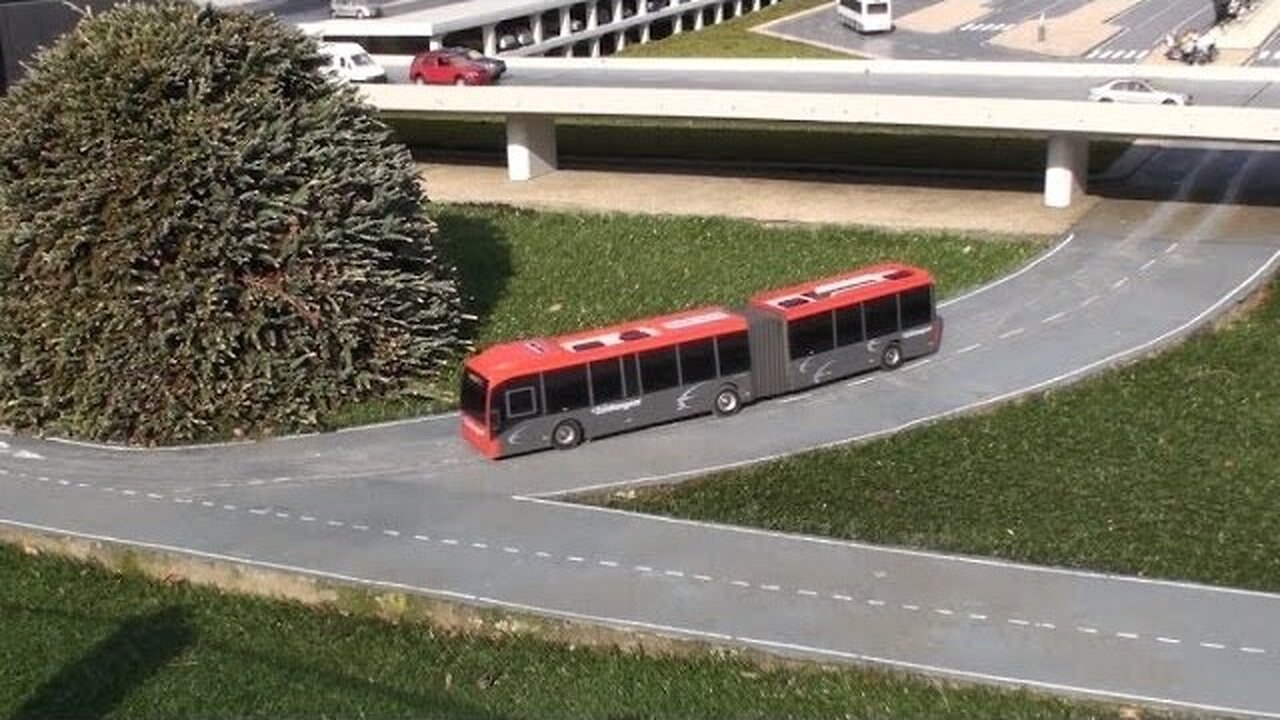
<point x="407" y="505"/>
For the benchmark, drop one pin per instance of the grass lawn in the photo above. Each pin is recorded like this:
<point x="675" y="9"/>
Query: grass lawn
<point x="539" y="273"/>
<point x="744" y="144"/>
<point x="77" y="641"/>
<point x="735" y="38"/>
<point x="1167" y="468"/>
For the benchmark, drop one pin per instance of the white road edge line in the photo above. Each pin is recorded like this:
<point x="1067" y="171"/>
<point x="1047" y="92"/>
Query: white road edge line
<point x="988" y="562"/>
<point x="996" y="283"/>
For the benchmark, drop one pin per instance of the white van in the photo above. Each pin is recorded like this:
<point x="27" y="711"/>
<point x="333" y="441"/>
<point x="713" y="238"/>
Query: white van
<point x="360" y="9"/>
<point x="348" y="62"/>
<point x="866" y="16"/>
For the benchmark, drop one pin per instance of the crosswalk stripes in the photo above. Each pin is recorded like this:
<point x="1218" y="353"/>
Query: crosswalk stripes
<point x="1117" y="55"/>
<point x="987" y="27"/>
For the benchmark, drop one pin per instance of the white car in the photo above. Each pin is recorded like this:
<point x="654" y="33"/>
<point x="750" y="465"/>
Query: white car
<point x="1132" y="90"/>
<point x="348" y="62"/>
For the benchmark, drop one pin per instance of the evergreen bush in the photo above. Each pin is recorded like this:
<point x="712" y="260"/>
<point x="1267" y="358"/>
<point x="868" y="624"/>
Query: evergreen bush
<point x="200" y="236"/>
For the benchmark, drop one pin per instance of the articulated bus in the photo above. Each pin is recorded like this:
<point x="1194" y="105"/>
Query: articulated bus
<point x="556" y="392"/>
<point x="866" y="16"/>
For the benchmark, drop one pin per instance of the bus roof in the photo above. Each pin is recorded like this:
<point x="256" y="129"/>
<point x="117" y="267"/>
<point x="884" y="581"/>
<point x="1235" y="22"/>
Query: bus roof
<point x="847" y="288"/>
<point x="504" y="361"/>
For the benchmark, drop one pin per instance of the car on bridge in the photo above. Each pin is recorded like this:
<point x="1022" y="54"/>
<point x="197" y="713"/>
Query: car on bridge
<point x="495" y="66"/>
<point x="444" y="67"/>
<point x="1134" y="90"/>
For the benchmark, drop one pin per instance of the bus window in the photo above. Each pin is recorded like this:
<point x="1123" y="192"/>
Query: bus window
<point x="882" y="316"/>
<point x="875" y="8"/>
<point x="630" y="376"/>
<point x="849" y="325"/>
<point x="606" y="381"/>
<point x="697" y="361"/>
<point x="566" y="389"/>
<point x="917" y="307"/>
<point x="811" y="335"/>
<point x="471" y="395"/>
<point x="522" y="401"/>
<point x="734" y="353"/>
<point x="658" y="370"/>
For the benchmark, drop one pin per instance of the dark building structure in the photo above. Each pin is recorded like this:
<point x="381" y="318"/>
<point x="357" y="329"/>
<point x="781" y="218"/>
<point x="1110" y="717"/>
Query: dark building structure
<point x="28" y="25"/>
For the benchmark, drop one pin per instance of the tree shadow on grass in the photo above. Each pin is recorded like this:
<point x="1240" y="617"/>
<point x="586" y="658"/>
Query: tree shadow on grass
<point x="482" y="253"/>
<point x="95" y="684"/>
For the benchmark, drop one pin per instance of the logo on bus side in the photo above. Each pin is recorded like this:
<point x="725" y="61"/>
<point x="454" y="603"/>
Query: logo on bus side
<point x="682" y="402"/>
<point x="615" y="406"/>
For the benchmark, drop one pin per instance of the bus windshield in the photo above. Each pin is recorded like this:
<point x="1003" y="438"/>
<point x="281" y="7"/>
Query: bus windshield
<point x="472" y="396"/>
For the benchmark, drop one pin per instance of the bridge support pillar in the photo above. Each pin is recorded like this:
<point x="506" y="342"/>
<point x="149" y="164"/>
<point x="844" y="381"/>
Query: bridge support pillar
<point x="531" y="146"/>
<point x="566" y="22"/>
<point x="644" y="33"/>
<point x="595" y="46"/>
<point x="620" y="41"/>
<point x="699" y="18"/>
<point x="719" y="13"/>
<point x="1067" y="169"/>
<point x="677" y="24"/>
<point x="593" y="15"/>
<point x="539" y="32"/>
<point x="490" y="35"/>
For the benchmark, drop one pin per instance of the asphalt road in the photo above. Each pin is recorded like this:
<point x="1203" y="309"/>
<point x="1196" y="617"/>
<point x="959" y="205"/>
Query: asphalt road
<point x="1240" y="94"/>
<point x="1141" y="28"/>
<point x="408" y="505"/>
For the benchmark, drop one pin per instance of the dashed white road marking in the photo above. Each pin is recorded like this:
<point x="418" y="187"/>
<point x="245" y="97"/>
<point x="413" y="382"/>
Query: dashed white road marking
<point x="1253" y="650"/>
<point x="127" y="492"/>
<point x="795" y="398"/>
<point x="1087" y="630"/>
<point x="1012" y="333"/>
<point x="359" y="527"/>
<point x="1089" y="301"/>
<point x="285" y="515"/>
<point x="608" y="563"/>
<point x="422" y="538"/>
<point x="977" y="616"/>
<point x="1127" y="635"/>
<point x="643" y="568"/>
<point x="770" y="588"/>
<point x="307" y="518"/>
<point x="1168" y="640"/>
<point x="1046" y="626"/>
<point x="807" y="593"/>
<point x="876" y="603"/>
<point x="542" y="554"/>
<point x="449" y="541"/>
<point x="740" y="583"/>
<point x="908" y="606"/>
<point x="1213" y="645"/>
<point x="1119" y="283"/>
<point x="335" y="523"/>
<point x="703" y="578"/>
<point x="1147" y="264"/>
<point x="516" y="551"/>
<point x="479" y="546"/>
<point x="259" y="511"/>
<point x="1055" y="316"/>
<point x="1171" y="248"/>
<point x="943" y="611"/>
<point x="391" y="533"/>
<point x="969" y="348"/>
<point x="1019" y="622"/>
<point x="842" y="598"/>
<point x="82" y="485"/>
<point x="917" y="365"/>
<point x="861" y="381"/>
<point x="575" y="559"/>
<point x="673" y="573"/>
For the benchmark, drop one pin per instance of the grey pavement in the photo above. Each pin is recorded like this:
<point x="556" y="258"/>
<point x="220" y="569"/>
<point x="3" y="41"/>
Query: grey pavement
<point x="408" y="505"/>
<point x="1142" y="28"/>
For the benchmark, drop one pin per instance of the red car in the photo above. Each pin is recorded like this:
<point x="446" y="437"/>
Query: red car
<point x="442" y="67"/>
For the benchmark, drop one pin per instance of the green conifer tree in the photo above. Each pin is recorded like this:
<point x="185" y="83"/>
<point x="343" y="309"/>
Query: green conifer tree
<point x="199" y="235"/>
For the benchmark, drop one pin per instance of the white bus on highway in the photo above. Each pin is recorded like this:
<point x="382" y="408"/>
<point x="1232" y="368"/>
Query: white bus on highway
<point x="866" y="16"/>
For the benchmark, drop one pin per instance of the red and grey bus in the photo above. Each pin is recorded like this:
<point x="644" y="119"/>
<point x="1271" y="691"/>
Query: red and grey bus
<point x="534" y="394"/>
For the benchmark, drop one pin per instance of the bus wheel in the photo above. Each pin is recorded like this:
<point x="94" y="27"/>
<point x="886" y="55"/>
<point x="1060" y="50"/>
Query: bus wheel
<point x="891" y="358"/>
<point x="727" y="401"/>
<point x="567" y="434"/>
